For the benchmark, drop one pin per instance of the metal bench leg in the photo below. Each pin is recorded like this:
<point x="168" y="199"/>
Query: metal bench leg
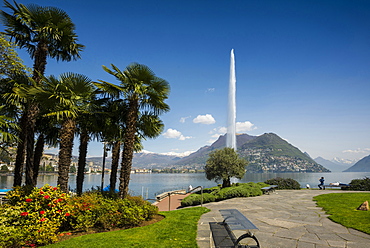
<point x="245" y="236"/>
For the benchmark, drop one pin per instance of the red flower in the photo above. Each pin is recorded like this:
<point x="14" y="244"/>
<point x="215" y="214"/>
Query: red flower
<point x="28" y="200"/>
<point x="47" y="196"/>
<point x="59" y="211"/>
<point x="68" y="233"/>
<point x="42" y="219"/>
<point x="55" y="188"/>
<point x="24" y="214"/>
<point x="41" y="192"/>
<point x="42" y="212"/>
<point x="67" y="214"/>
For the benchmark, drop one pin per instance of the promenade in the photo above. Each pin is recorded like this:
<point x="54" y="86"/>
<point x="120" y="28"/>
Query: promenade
<point x="286" y="219"/>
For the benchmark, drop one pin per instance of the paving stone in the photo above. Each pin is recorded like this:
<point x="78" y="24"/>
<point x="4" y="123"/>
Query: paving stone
<point x="288" y="218"/>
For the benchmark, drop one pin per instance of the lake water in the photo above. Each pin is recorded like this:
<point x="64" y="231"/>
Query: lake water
<point x="149" y="185"/>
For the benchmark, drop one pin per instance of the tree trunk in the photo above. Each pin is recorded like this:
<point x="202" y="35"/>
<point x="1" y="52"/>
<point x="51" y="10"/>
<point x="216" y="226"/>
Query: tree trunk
<point x="84" y="140"/>
<point x="128" y="148"/>
<point x="65" y="152"/>
<point x="226" y="183"/>
<point x="21" y="149"/>
<point x="32" y="115"/>
<point x="114" y="167"/>
<point x="39" y="150"/>
<point x="33" y="110"/>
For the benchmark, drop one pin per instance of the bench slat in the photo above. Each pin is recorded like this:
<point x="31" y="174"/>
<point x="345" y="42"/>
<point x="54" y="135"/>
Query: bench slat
<point x="236" y="220"/>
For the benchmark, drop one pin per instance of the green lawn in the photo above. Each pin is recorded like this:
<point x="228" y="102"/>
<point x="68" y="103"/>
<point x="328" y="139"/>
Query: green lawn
<point x="177" y="229"/>
<point x="342" y="209"/>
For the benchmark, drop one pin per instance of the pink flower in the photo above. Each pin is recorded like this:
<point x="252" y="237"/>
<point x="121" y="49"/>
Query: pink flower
<point x="24" y="214"/>
<point x="28" y="200"/>
<point x="42" y="212"/>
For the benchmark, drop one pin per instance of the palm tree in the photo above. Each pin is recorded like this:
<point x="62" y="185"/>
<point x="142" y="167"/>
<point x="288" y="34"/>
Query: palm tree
<point x="67" y="97"/>
<point x="44" y="32"/>
<point x="143" y="92"/>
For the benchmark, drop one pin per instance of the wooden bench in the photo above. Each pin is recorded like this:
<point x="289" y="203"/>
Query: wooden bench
<point x="223" y="232"/>
<point x="269" y="189"/>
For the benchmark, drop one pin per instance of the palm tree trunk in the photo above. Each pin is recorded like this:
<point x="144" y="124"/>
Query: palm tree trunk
<point x="65" y="152"/>
<point x="128" y="148"/>
<point x="84" y="140"/>
<point x="114" y="167"/>
<point x="39" y="150"/>
<point x="33" y="110"/>
<point x="32" y="113"/>
<point x="21" y="149"/>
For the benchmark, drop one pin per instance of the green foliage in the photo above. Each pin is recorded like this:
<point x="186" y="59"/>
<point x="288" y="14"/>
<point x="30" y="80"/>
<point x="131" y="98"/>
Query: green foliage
<point x="37" y="216"/>
<point x="10" y="63"/>
<point x="284" y="183"/>
<point x="219" y="194"/>
<point x="360" y="184"/>
<point x="223" y="164"/>
<point x="342" y="209"/>
<point x="94" y="210"/>
<point x="33" y="216"/>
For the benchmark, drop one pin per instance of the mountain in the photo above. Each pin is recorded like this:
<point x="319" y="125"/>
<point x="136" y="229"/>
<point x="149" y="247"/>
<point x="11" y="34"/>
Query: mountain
<point x="200" y="157"/>
<point x="361" y="166"/>
<point x="265" y="153"/>
<point x="270" y="153"/>
<point x="334" y="167"/>
<point x="153" y="160"/>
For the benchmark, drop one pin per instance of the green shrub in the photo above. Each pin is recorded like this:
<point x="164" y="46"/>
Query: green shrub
<point x="360" y="184"/>
<point x="284" y="183"/>
<point x="196" y="199"/>
<point x="218" y="194"/>
<point x="93" y="210"/>
<point x="34" y="216"/>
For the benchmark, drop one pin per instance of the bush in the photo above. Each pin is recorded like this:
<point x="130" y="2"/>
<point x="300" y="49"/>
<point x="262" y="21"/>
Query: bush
<point x="360" y="184"/>
<point x="219" y="194"/>
<point x="34" y="216"/>
<point x="37" y="216"/>
<point x="284" y="183"/>
<point x="196" y="199"/>
<point x="93" y="210"/>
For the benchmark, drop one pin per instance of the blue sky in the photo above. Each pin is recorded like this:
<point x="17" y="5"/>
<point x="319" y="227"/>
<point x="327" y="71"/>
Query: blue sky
<point x="302" y="67"/>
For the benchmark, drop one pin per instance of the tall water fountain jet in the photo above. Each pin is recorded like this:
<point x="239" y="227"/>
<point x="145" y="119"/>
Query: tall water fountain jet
<point x="231" y="132"/>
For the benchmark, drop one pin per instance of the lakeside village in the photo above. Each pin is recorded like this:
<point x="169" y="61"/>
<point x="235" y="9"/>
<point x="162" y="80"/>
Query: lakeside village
<point x="49" y="165"/>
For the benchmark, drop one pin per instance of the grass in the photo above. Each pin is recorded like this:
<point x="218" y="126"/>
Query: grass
<point x="177" y="229"/>
<point x="342" y="208"/>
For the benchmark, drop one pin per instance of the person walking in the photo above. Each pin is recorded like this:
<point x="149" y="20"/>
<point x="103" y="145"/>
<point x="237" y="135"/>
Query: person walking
<point x="321" y="185"/>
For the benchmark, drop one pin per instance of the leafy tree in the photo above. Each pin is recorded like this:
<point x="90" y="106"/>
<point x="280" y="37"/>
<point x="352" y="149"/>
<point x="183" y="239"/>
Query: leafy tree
<point x="144" y="94"/>
<point x="10" y="63"/>
<point x="223" y="164"/>
<point x="44" y="32"/>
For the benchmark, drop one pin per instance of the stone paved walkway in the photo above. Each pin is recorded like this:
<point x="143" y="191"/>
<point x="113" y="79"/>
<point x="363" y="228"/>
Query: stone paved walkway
<point x="286" y="218"/>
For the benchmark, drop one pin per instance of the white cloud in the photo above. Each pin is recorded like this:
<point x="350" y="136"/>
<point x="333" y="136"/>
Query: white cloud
<point x="204" y="119"/>
<point x="358" y="150"/>
<point x="244" y="126"/>
<point x="174" y="134"/>
<point x="210" y="90"/>
<point x="183" y="119"/>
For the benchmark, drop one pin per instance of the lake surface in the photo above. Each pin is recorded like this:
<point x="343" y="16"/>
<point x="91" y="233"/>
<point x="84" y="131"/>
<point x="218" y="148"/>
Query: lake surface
<point x="149" y="185"/>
